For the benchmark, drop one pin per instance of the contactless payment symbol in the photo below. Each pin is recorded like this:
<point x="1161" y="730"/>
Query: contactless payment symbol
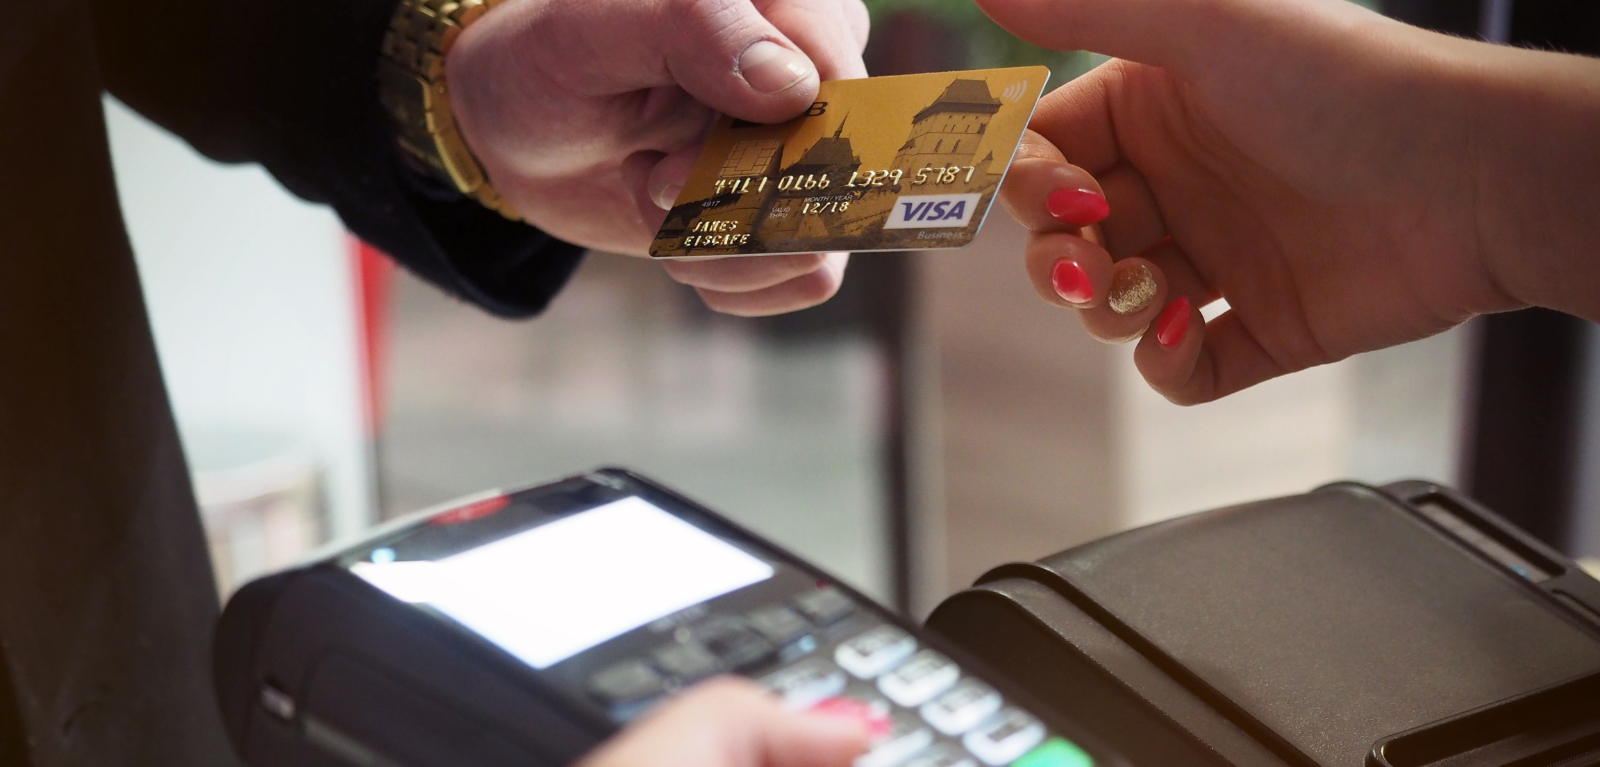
<point x="1015" y="91"/>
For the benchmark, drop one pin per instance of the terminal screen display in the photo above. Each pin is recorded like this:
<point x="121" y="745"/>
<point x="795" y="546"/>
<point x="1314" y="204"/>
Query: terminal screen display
<point x="550" y="592"/>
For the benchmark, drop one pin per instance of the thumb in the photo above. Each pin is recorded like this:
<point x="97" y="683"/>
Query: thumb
<point x="724" y="53"/>
<point x="1180" y="35"/>
<point x="728" y="55"/>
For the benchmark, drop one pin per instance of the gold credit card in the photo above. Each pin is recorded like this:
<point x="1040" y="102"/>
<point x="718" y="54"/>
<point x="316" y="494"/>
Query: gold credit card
<point x="885" y="163"/>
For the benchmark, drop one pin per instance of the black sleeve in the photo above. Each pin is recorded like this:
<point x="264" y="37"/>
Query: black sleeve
<point x="291" y="84"/>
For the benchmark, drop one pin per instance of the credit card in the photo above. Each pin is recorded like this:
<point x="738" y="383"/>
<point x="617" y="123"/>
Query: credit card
<point x="909" y="162"/>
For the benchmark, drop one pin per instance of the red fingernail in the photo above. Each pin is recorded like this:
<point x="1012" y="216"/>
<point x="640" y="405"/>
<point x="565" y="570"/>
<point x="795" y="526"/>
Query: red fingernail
<point x="1071" y="282"/>
<point x="1078" y="207"/>
<point x="875" y="721"/>
<point x="1173" y="323"/>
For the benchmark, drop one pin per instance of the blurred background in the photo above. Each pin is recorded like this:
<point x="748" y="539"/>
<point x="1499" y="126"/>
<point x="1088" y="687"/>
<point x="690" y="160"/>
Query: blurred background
<point x="932" y="421"/>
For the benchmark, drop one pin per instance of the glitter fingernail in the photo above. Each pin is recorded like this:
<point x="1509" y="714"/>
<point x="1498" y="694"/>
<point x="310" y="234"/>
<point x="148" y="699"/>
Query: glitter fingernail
<point x="1132" y="289"/>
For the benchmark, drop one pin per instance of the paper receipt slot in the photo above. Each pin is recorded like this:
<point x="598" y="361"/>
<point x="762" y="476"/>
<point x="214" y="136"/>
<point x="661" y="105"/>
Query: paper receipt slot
<point x="1403" y="626"/>
<point x="523" y="629"/>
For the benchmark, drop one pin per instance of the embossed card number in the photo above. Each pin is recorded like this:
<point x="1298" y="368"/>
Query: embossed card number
<point x="883" y="163"/>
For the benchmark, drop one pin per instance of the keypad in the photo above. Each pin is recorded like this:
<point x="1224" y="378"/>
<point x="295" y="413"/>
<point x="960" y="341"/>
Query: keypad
<point x="962" y="708"/>
<point x="1056" y="752"/>
<point x="916" y="704"/>
<point x="825" y="606"/>
<point x="627" y="682"/>
<point x="943" y="755"/>
<point x="1004" y="737"/>
<point x="907" y="736"/>
<point x="687" y="661"/>
<point x="919" y="678"/>
<point x="807" y="683"/>
<point x="875" y="651"/>
<point x="734" y="644"/>
<point x="779" y="625"/>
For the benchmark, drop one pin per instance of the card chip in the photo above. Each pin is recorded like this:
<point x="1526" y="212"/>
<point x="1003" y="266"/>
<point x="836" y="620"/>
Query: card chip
<point x="750" y="158"/>
<point x="885" y="163"/>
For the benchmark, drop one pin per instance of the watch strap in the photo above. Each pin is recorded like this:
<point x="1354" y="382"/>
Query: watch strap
<point x="413" y="90"/>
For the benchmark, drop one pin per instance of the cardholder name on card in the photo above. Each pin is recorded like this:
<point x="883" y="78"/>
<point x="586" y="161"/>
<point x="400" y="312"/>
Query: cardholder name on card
<point x="909" y="162"/>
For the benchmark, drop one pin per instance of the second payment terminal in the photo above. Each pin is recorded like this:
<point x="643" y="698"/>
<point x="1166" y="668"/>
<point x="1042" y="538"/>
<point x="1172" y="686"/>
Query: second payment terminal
<point x="522" y="629"/>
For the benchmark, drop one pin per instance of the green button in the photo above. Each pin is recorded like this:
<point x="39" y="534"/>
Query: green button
<point x="1055" y="752"/>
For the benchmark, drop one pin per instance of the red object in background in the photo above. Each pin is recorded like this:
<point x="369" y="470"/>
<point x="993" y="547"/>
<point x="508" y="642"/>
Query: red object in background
<point x="471" y="511"/>
<point x="374" y="283"/>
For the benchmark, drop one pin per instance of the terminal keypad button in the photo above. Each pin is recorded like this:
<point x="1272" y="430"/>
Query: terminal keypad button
<point x="806" y="684"/>
<point x="735" y="644"/>
<point x="1056" y="752"/>
<point x="779" y="625"/>
<point x="906" y="737"/>
<point x="874" y="652"/>
<point x="688" y="661"/>
<point x="962" y="708"/>
<point x="825" y="606"/>
<point x="627" y="682"/>
<point x="921" y="677"/>
<point x="1004" y="737"/>
<point x="943" y="755"/>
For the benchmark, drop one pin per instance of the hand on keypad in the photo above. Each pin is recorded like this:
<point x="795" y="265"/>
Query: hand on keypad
<point x="730" y="722"/>
<point x="936" y="717"/>
<point x="724" y="643"/>
<point x="918" y="706"/>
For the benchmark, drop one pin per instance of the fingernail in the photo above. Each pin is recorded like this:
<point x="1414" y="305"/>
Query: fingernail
<point x="667" y="195"/>
<point x="771" y="68"/>
<point x="1173" y="323"/>
<point x="1132" y="289"/>
<point x="1078" y="207"/>
<point x="875" y="721"/>
<point x="1071" y="282"/>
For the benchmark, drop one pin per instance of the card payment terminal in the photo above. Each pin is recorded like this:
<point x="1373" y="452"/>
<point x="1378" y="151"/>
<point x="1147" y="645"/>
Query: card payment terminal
<point x="524" y="628"/>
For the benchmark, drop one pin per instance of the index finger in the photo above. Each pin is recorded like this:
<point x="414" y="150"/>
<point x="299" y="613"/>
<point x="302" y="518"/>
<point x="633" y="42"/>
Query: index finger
<point x="730" y="722"/>
<point x="1038" y="174"/>
<point x="1076" y="118"/>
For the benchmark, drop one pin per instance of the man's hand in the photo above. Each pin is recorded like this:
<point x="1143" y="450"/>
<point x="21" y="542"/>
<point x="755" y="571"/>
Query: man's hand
<point x="587" y="115"/>
<point x="732" y="723"/>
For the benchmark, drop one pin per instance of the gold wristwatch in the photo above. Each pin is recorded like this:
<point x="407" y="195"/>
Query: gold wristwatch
<point x="411" y="85"/>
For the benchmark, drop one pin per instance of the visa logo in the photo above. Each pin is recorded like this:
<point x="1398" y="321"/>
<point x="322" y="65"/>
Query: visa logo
<point x="931" y="211"/>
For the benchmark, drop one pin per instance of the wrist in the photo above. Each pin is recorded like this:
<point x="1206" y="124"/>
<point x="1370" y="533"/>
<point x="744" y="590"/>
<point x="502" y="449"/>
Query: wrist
<point x="414" y="90"/>
<point x="1534" y="122"/>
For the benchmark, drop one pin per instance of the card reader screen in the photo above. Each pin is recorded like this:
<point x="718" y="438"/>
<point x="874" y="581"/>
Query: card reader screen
<point x="550" y="592"/>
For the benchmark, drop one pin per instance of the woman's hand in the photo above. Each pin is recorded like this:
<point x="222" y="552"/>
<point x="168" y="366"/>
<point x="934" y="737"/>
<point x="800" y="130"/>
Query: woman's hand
<point x="587" y="116"/>
<point x="1344" y="181"/>
<point x="731" y="723"/>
